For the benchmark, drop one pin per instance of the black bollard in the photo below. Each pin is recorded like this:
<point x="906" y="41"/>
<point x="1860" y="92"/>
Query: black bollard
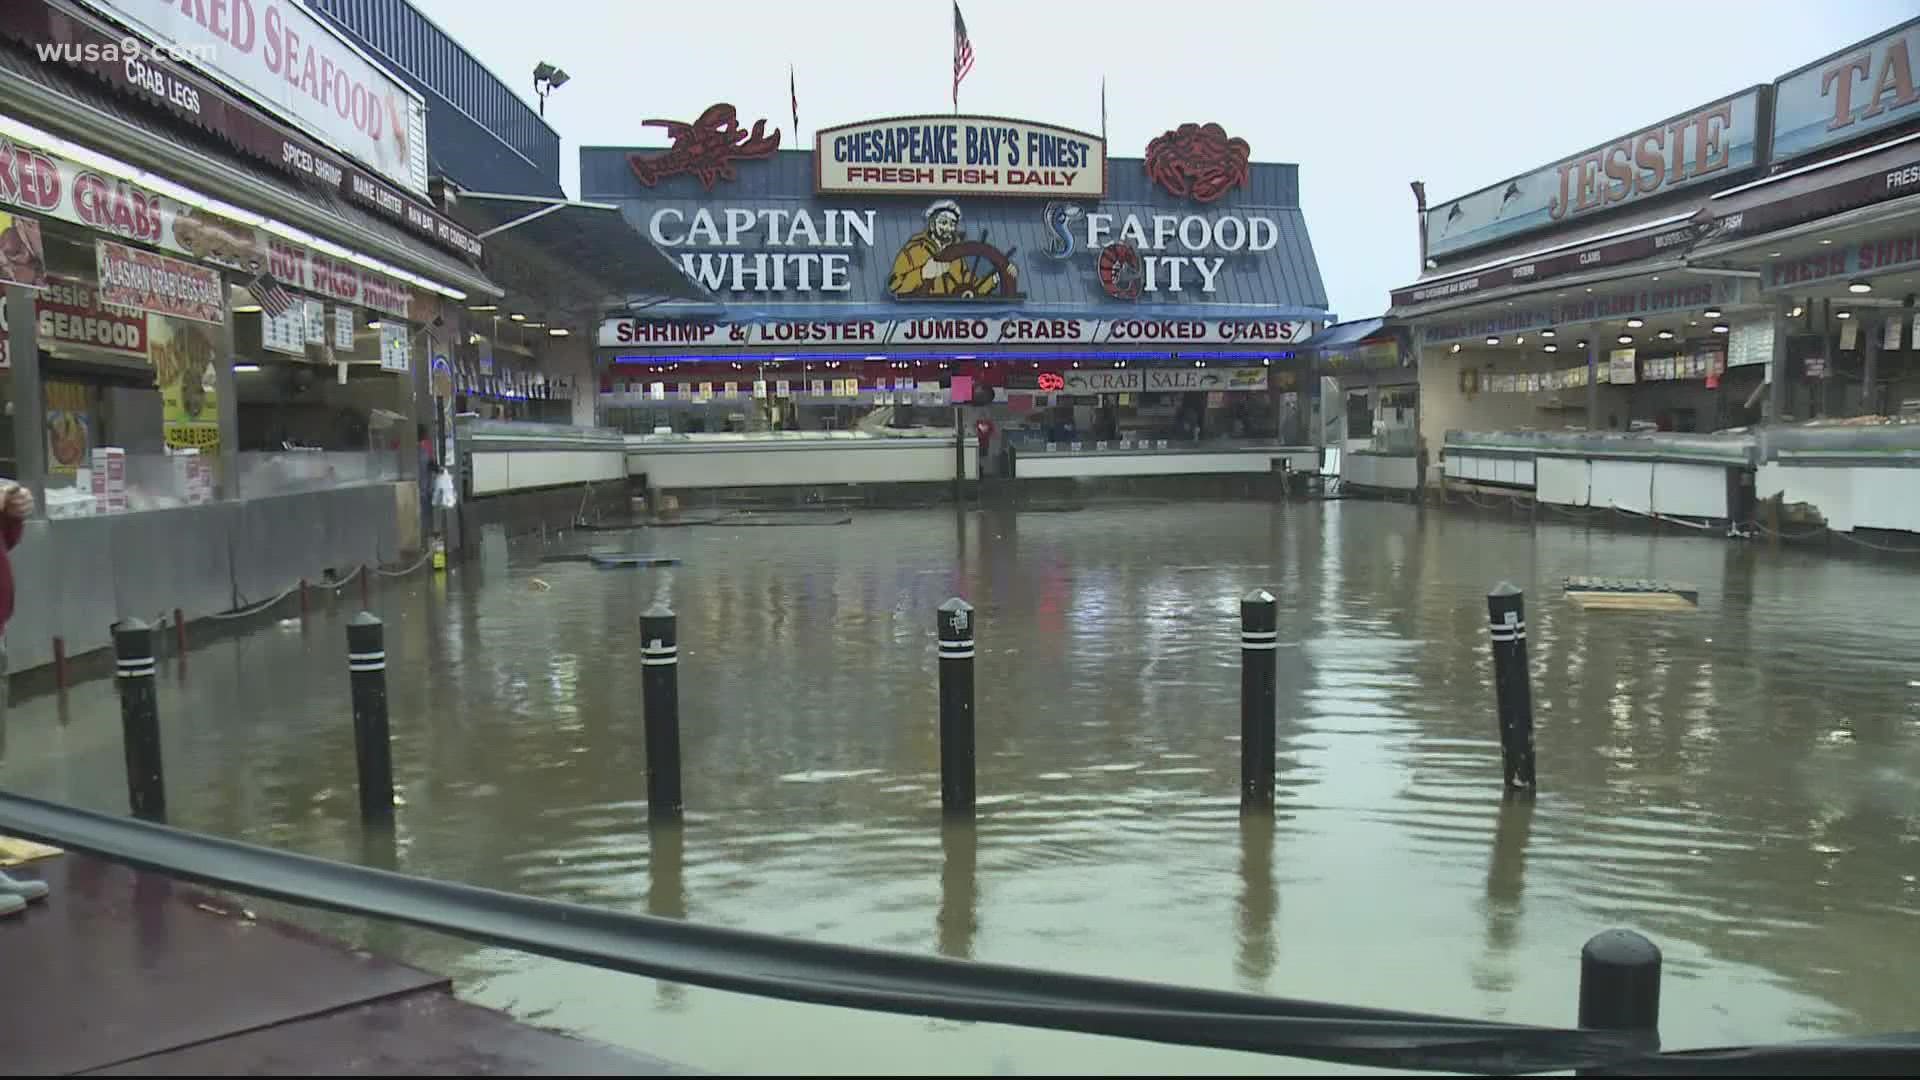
<point x="660" y="697"/>
<point x="1512" y="683"/>
<point x="1620" y="985"/>
<point x="140" y="720"/>
<point x="372" y="737"/>
<point x="955" y="624"/>
<point x="1259" y="639"/>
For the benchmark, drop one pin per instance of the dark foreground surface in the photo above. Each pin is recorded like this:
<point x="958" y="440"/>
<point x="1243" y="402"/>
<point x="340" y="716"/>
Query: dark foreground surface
<point x="123" y="972"/>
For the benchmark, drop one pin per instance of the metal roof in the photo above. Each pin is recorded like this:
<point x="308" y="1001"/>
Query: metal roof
<point x="1284" y="283"/>
<point x="597" y="261"/>
<point x="1340" y="335"/>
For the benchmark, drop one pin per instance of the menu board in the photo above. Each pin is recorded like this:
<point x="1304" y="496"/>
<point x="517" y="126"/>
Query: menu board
<point x="395" y="348"/>
<point x="1621" y="363"/>
<point x="285" y="332"/>
<point x="343" y="327"/>
<point x="315" y="320"/>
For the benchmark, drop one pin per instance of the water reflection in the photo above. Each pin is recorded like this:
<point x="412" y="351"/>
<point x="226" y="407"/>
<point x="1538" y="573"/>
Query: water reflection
<point x="1259" y="902"/>
<point x="959" y="916"/>
<point x="1735" y="782"/>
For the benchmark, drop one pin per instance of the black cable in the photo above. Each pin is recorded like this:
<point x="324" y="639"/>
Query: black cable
<point x="791" y="969"/>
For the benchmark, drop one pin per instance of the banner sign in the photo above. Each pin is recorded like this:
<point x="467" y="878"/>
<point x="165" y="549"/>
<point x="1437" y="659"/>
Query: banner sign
<point x="69" y="312"/>
<point x="958" y="155"/>
<point x="1165" y="380"/>
<point x="664" y="333"/>
<point x="23" y="253"/>
<point x="1888" y="252"/>
<point x="300" y="68"/>
<point x="1539" y="315"/>
<point x="1669" y="242"/>
<point x="1862" y="89"/>
<point x="63" y="189"/>
<point x="130" y="277"/>
<point x="157" y="80"/>
<point x="1709" y="143"/>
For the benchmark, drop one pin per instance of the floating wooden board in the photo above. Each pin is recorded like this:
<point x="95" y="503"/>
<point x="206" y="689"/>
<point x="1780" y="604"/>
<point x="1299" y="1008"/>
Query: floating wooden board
<point x="1622" y="594"/>
<point x="610" y="562"/>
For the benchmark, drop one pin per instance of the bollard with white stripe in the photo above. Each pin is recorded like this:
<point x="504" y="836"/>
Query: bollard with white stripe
<point x="372" y="736"/>
<point x="1259" y="640"/>
<point x="954" y="621"/>
<point x="1512" y="683"/>
<point x="1619" y="986"/>
<point x="140" y="719"/>
<point x="660" y="697"/>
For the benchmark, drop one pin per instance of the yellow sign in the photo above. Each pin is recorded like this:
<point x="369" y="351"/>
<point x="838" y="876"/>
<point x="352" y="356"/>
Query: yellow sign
<point x="183" y="363"/>
<point x="69" y="426"/>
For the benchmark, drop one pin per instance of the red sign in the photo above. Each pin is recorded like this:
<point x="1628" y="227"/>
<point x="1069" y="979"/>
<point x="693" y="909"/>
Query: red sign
<point x="707" y="148"/>
<point x="1198" y="161"/>
<point x="139" y="279"/>
<point x="1050" y="381"/>
<point x="69" y="311"/>
<point x="160" y="82"/>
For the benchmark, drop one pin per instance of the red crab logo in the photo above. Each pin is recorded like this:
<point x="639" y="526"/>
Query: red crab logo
<point x="707" y="148"/>
<point x="1120" y="271"/>
<point x="1197" y="160"/>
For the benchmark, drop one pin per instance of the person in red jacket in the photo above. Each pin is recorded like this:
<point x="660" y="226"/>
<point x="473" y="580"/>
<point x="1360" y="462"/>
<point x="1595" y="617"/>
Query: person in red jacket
<point x="14" y="511"/>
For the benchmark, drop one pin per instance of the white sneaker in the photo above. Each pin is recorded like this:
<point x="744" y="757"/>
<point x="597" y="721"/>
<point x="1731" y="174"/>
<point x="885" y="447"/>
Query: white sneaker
<point x="23" y="888"/>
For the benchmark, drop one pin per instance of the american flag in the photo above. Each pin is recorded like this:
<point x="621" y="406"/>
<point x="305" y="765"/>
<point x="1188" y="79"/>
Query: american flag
<point x="274" y="299"/>
<point x="794" y="92"/>
<point x="962" y="54"/>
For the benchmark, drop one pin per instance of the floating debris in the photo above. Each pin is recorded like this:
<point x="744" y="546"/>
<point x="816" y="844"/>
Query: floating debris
<point x="1630" y="594"/>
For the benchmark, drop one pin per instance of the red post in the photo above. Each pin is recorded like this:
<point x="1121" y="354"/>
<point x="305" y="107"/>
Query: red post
<point x="306" y="602"/>
<point x="60" y="662"/>
<point x="179" y="634"/>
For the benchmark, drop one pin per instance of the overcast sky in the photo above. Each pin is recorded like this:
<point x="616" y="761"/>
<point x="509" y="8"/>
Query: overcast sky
<point x="1365" y="95"/>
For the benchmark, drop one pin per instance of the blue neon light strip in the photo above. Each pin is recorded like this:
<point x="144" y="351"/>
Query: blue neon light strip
<point x="670" y="359"/>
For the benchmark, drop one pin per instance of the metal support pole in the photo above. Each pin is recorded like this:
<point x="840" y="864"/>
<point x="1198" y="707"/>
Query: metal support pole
<point x="60" y="663"/>
<point x="366" y="586"/>
<point x="660" y="698"/>
<point x="1507" y="614"/>
<point x="179" y="636"/>
<point x="1593" y="381"/>
<point x="372" y="736"/>
<point x="140" y="720"/>
<point x="1620" y="985"/>
<point x="1777" y="366"/>
<point x="306" y="601"/>
<point x="954" y="622"/>
<point x="1259" y="639"/>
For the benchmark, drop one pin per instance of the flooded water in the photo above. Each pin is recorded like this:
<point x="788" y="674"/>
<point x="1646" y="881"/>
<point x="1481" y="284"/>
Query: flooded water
<point x="1740" y="783"/>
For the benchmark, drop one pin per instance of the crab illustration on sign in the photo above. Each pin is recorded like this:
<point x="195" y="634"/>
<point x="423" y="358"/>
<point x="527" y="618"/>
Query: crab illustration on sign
<point x="1198" y="161"/>
<point x="940" y="263"/>
<point x="707" y="148"/>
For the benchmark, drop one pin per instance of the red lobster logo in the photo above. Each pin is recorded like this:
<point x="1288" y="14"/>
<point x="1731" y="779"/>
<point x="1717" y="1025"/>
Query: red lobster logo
<point x="707" y="148"/>
<point x="1197" y="160"/>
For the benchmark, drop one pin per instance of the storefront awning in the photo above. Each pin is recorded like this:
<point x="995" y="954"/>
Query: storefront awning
<point x="1344" y="335"/>
<point x="613" y="266"/>
<point x="63" y="102"/>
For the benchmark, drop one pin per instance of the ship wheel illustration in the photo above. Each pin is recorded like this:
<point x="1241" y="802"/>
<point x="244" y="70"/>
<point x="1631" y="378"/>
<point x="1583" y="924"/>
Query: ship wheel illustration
<point x="1006" y="279"/>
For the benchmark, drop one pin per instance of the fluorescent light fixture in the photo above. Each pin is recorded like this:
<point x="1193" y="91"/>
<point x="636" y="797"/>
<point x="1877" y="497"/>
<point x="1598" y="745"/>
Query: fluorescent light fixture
<point x="483" y="307"/>
<point x="242" y="309"/>
<point x="241" y="369"/>
<point x="1666" y="335"/>
<point x="1721" y="328"/>
<point x="1859" y="286"/>
<point x="558" y="331"/>
<point x="1635" y="324"/>
<point x="1625" y="339"/>
<point x="1581" y="345"/>
<point x="1547" y="333"/>
<point x="375" y="324"/>
<point x="517" y="317"/>
<point x="1712" y="313"/>
<point x="1491" y="340"/>
<point x="1843" y="314"/>
<point x="1551" y="347"/>
<point x="1826" y="241"/>
<point x="1456" y="348"/>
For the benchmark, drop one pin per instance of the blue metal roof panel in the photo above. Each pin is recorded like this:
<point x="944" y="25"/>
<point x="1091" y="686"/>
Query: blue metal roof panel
<point x="1284" y="283"/>
<point x="1346" y="333"/>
